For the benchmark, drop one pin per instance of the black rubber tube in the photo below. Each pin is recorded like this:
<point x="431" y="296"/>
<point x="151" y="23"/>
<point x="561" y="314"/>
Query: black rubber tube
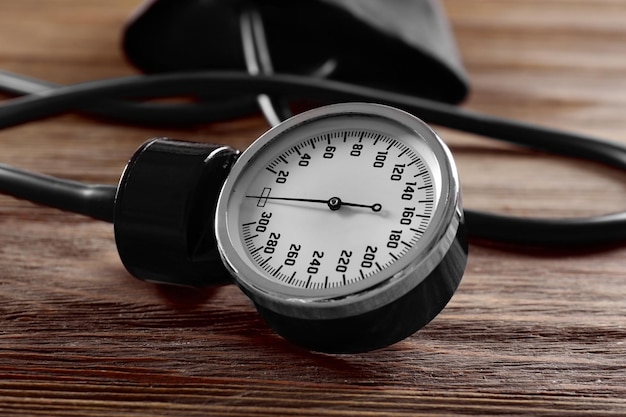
<point x="598" y="229"/>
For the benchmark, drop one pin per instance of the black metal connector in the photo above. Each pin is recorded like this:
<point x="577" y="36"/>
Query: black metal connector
<point x="165" y="212"/>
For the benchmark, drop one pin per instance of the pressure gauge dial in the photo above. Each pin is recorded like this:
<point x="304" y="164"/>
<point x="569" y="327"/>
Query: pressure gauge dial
<point x="344" y="226"/>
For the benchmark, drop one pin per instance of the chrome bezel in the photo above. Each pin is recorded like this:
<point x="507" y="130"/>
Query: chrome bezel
<point x="390" y="284"/>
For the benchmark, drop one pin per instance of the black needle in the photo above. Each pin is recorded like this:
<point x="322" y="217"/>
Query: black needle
<point x="333" y="203"/>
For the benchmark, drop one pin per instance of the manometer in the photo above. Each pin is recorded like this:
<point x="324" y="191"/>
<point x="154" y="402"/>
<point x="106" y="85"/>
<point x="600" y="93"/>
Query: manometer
<point x="344" y="226"/>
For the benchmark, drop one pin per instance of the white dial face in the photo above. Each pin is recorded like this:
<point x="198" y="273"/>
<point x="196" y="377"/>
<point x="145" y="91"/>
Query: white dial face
<point x="334" y="205"/>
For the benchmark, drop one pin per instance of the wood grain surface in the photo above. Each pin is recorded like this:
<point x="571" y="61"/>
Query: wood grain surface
<point x="531" y="331"/>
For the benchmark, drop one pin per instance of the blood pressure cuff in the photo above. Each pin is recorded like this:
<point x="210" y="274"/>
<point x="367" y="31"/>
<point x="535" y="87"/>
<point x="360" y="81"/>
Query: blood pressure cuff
<point x="399" y="45"/>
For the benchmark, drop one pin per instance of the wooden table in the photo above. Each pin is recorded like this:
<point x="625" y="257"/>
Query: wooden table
<point x="530" y="331"/>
